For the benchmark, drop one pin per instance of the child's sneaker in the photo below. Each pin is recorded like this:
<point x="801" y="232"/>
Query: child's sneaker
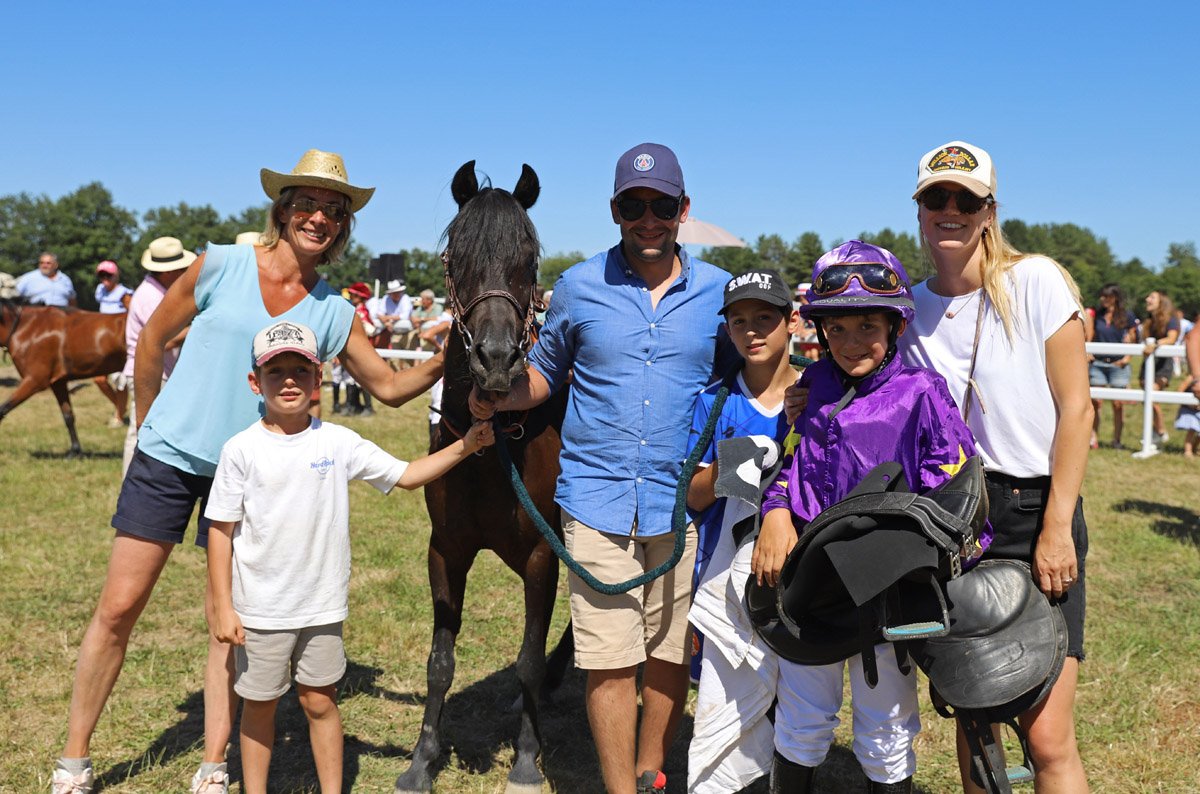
<point x="63" y="782"/>
<point x="651" y="781"/>
<point x="215" y="782"/>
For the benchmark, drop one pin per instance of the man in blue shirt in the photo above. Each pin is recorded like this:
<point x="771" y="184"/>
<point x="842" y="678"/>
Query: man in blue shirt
<point x="637" y="325"/>
<point x="46" y="285"/>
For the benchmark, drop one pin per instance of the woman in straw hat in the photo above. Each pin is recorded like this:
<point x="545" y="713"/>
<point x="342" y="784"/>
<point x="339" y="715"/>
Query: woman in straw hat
<point x="227" y="295"/>
<point x="988" y="306"/>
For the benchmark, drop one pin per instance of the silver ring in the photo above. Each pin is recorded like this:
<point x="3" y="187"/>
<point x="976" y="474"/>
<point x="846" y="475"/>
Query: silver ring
<point x="1067" y="581"/>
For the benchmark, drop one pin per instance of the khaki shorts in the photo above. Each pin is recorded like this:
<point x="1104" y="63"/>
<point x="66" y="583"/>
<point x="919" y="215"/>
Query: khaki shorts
<point x="271" y="658"/>
<point x="617" y="631"/>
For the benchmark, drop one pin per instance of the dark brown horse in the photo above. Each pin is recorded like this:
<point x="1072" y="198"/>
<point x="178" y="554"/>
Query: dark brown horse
<point x="491" y="271"/>
<point x="51" y="347"/>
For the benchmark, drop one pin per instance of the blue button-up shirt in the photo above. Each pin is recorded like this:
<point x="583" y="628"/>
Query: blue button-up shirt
<point x="637" y="371"/>
<point x="36" y="288"/>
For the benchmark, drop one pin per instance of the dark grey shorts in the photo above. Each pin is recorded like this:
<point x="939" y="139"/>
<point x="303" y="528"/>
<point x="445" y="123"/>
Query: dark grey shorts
<point x="157" y="501"/>
<point x="1016" y="507"/>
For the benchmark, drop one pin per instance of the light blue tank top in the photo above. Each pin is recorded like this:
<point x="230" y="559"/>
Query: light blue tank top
<point x="207" y="398"/>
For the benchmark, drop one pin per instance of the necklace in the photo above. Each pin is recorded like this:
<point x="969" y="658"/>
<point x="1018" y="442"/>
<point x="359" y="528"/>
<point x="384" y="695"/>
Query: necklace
<point x="951" y="311"/>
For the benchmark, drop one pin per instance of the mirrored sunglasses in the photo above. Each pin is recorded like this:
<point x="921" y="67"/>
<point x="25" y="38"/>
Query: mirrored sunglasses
<point x="306" y="206"/>
<point x="936" y="198"/>
<point x="877" y="278"/>
<point x="631" y="208"/>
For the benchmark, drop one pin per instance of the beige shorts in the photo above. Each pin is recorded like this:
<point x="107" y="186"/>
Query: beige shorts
<point x="265" y="666"/>
<point x="616" y="631"/>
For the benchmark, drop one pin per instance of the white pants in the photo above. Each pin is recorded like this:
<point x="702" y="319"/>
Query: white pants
<point x="886" y="718"/>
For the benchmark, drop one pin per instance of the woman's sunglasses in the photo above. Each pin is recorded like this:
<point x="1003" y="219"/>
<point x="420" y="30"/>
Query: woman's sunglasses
<point x="306" y="206"/>
<point x="877" y="278"/>
<point x="936" y="198"/>
<point x="631" y="208"/>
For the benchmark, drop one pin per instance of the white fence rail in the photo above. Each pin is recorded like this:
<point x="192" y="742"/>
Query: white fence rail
<point x="1147" y="397"/>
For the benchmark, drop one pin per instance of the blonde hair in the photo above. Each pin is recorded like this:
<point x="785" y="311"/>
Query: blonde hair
<point x="999" y="257"/>
<point x="1162" y="316"/>
<point x="270" y="235"/>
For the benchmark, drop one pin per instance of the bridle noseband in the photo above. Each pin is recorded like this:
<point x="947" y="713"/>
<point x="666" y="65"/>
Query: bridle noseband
<point x="460" y="312"/>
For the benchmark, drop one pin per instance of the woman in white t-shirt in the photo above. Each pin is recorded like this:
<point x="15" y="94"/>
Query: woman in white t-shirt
<point x="1005" y="329"/>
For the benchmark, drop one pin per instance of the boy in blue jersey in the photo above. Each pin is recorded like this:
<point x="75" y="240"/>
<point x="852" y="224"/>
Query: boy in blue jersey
<point x="733" y="741"/>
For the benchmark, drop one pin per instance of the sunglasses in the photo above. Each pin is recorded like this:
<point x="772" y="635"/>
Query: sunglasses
<point x="306" y="206"/>
<point x="936" y="198"/>
<point x="874" y="277"/>
<point x="631" y="208"/>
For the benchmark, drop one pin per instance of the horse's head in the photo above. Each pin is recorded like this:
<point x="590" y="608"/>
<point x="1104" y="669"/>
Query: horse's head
<point x="491" y="271"/>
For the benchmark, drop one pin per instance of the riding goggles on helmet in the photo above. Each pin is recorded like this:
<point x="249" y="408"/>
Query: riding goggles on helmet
<point x="874" y="277"/>
<point x="664" y="209"/>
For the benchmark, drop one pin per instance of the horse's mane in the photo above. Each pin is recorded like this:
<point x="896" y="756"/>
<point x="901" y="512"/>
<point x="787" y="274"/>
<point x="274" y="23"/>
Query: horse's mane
<point x="490" y="228"/>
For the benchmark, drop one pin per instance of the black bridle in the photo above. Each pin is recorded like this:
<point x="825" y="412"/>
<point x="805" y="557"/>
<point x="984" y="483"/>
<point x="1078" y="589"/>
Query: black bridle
<point x="460" y="312"/>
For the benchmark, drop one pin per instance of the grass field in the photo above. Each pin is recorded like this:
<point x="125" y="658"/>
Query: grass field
<point x="1139" y="696"/>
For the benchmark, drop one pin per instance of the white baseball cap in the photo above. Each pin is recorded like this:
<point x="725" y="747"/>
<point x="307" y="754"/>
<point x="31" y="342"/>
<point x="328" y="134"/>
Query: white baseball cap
<point x="961" y="163"/>
<point x="285" y="337"/>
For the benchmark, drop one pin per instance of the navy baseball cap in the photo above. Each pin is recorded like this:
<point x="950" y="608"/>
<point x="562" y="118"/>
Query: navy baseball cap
<point x="649" y="165"/>
<point x="760" y="285"/>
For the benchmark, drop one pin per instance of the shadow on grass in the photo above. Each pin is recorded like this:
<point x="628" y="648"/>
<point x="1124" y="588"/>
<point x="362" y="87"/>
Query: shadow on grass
<point x="179" y="739"/>
<point x="42" y="454"/>
<point x="1179" y="523"/>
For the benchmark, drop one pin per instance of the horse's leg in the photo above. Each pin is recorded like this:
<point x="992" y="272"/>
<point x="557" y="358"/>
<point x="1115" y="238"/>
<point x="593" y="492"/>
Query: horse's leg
<point x="447" y="583"/>
<point x="540" y="576"/>
<point x="28" y="387"/>
<point x="59" y="387"/>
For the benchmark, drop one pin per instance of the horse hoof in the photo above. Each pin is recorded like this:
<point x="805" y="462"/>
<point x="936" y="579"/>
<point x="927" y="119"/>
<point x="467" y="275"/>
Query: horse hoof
<point x="523" y="788"/>
<point x="406" y="785"/>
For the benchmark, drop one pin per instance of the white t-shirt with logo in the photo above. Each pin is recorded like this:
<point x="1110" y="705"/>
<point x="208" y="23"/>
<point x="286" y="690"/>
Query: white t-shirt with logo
<point x="291" y="551"/>
<point x="1015" y="434"/>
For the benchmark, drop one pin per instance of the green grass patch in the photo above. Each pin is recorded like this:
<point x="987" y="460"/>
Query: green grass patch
<point x="1138" y="696"/>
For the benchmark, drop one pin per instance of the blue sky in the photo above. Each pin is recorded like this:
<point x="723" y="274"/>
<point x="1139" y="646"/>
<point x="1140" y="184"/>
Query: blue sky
<point x="786" y="117"/>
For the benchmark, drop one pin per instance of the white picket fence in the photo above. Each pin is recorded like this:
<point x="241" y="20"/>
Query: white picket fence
<point x="1145" y="396"/>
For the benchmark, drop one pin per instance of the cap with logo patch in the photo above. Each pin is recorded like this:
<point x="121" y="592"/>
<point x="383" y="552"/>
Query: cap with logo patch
<point x="285" y="337"/>
<point x="760" y="285"/>
<point x="649" y="165"/>
<point x="961" y="163"/>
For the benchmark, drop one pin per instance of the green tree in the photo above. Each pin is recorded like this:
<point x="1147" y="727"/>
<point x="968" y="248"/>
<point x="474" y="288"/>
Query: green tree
<point x="907" y="250"/>
<point x="551" y="267"/>
<point x="806" y="250"/>
<point x="733" y="260"/>
<point x="1180" y="278"/>
<point x="23" y="224"/>
<point x="85" y="227"/>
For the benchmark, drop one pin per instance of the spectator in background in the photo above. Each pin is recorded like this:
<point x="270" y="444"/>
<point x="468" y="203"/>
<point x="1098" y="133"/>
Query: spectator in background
<point x="1179" y="363"/>
<point x="1113" y="323"/>
<point x="435" y="330"/>
<point x="395" y="313"/>
<point x="1160" y="328"/>
<point x="1189" y="415"/>
<point x="46" y="285"/>
<point x="426" y="311"/>
<point x="164" y="260"/>
<point x="113" y="298"/>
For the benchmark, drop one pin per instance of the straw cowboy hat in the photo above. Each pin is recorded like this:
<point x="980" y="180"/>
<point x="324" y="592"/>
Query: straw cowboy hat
<point x="317" y="169"/>
<point x="165" y="254"/>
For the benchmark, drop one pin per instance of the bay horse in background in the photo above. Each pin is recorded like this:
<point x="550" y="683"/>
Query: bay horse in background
<point x="491" y="272"/>
<point x="51" y="346"/>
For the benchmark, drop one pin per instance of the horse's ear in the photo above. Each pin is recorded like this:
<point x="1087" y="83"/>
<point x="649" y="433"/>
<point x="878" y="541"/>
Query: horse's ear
<point x="527" y="189"/>
<point x="464" y="186"/>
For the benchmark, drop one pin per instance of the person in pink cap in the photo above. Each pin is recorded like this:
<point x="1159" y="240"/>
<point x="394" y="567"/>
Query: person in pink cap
<point x="113" y="298"/>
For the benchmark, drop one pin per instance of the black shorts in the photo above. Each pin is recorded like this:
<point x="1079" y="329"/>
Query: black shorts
<point x="157" y="501"/>
<point x="1015" y="509"/>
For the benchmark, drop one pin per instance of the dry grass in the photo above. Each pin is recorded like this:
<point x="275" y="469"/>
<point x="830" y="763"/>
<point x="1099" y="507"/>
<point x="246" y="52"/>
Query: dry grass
<point x="1137" y="711"/>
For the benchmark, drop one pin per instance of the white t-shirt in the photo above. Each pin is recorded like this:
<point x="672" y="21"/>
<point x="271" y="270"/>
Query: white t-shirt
<point x="1015" y="433"/>
<point x="291" y="551"/>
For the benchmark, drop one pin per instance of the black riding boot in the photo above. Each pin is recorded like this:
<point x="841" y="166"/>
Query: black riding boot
<point x="337" y="398"/>
<point x="903" y="787"/>
<point x="353" y="407"/>
<point x="790" y="778"/>
<point x="367" y="410"/>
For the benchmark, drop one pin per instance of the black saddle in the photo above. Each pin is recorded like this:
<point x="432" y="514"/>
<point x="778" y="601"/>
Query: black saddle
<point x="867" y="569"/>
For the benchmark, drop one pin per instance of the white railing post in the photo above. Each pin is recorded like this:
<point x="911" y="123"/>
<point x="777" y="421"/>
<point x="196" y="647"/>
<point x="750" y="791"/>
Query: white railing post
<point x="1149" y="448"/>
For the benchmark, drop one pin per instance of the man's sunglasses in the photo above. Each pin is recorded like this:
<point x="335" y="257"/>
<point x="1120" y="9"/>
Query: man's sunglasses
<point x="936" y="198"/>
<point x="876" y="278"/>
<point x="306" y="206"/>
<point x="664" y="209"/>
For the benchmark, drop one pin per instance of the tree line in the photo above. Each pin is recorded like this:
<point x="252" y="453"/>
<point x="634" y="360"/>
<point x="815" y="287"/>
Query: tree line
<point x="85" y="227"/>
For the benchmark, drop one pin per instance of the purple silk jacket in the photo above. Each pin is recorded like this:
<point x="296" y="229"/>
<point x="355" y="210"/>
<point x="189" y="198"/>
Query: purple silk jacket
<point x="901" y="413"/>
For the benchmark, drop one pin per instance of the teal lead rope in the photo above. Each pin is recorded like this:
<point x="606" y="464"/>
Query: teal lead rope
<point x="679" y="520"/>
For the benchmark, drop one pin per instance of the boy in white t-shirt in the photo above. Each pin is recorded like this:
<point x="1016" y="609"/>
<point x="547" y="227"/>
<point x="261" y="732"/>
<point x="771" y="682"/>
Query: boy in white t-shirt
<point x="279" y="547"/>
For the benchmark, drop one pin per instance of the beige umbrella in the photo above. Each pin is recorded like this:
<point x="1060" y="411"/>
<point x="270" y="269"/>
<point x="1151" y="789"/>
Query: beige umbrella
<point x="697" y="232"/>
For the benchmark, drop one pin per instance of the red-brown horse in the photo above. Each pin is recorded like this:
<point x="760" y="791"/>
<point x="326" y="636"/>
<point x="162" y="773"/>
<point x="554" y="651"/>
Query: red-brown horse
<point x="51" y="347"/>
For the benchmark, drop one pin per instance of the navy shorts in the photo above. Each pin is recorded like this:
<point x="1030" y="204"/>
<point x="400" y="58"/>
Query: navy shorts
<point x="157" y="501"/>
<point x="1015" y="509"/>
